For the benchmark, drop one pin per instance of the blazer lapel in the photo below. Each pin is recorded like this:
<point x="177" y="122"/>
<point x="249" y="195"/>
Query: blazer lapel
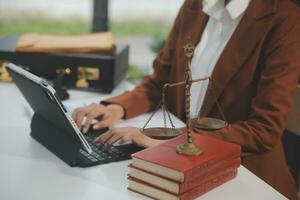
<point x="189" y="35"/>
<point x="242" y="43"/>
<point x="192" y="31"/>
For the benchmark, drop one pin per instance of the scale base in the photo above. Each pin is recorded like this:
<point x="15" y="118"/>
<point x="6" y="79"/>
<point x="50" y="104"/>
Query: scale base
<point x="189" y="149"/>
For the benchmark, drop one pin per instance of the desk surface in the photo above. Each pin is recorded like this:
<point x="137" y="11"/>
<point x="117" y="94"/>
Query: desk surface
<point x="30" y="171"/>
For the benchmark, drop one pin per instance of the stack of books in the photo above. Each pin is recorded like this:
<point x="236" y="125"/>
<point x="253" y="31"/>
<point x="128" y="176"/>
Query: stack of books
<point x="161" y="173"/>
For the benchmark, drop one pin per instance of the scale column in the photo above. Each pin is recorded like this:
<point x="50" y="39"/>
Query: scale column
<point x="188" y="148"/>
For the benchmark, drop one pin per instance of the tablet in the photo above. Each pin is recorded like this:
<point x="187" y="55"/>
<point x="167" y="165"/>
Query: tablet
<point x="43" y="99"/>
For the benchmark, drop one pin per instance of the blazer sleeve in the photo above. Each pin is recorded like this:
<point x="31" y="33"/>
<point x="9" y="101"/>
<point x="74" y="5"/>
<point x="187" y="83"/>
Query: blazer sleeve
<point x="274" y="96"/>
<point x="145" y="97"/>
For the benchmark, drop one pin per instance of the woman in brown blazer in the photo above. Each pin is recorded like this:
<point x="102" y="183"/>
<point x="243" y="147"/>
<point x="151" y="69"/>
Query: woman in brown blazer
<point x="254" y="81"/>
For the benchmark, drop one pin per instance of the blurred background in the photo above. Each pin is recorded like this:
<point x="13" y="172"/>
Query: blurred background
<point x="142" y="24"/>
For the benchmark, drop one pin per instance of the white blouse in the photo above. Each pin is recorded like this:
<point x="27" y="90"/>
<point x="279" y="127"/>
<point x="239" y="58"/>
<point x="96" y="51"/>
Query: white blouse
<point x="222" y="23"/>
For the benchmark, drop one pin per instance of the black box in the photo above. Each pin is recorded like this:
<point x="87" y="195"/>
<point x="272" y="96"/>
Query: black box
<point x="99" y="72"/>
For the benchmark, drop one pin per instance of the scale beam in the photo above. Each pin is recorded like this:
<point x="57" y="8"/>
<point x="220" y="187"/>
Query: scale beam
<point x="188" y="148"/>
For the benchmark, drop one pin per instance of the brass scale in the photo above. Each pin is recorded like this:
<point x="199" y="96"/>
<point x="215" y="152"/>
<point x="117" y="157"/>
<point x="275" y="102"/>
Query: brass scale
<point x="188" y="148"/>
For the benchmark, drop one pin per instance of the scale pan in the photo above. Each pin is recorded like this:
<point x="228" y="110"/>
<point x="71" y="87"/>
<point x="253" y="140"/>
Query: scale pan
<point x="208" y="123"/>
<point x="161" y="133"/>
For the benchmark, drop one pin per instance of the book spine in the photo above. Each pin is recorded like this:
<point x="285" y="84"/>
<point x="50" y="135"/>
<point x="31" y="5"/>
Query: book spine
<point x="210" y="175"/>
<point x="209" y="185"/>
<point x="157" y="193"/>
<point x="226" y="166"/>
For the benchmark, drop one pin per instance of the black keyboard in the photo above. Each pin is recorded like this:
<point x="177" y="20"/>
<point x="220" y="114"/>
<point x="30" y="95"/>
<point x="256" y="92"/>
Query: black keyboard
<point x="100" y="155"/>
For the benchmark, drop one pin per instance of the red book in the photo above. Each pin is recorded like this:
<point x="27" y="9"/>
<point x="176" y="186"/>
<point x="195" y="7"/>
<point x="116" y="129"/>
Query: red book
<point x="163" y="159"/>
<point x="179" y="188"/>
<point x="144" y="188"/>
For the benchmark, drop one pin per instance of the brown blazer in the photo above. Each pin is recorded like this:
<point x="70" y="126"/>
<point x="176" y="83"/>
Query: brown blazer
<point x="254" y="81"/>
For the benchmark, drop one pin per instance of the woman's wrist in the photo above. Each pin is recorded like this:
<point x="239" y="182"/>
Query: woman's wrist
<point x="150" y="142"/>
<point x="118" y="110"/>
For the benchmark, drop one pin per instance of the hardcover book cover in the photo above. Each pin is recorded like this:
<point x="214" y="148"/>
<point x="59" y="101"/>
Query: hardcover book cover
<point x="144" y="188"/>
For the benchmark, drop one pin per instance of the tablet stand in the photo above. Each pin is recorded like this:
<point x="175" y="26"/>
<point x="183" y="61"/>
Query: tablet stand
<point x="65" y="146"/>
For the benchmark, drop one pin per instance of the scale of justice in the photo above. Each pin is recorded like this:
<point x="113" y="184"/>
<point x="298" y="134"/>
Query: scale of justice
<point x="189" y="148"/>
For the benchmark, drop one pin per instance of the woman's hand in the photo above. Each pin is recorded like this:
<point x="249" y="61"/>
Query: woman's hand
<point x="122" y="135"/>
<point x="107" y="115"/>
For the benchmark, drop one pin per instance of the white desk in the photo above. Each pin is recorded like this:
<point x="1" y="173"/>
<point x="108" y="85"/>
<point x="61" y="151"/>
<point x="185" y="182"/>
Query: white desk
<point x="28" y="171"/>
